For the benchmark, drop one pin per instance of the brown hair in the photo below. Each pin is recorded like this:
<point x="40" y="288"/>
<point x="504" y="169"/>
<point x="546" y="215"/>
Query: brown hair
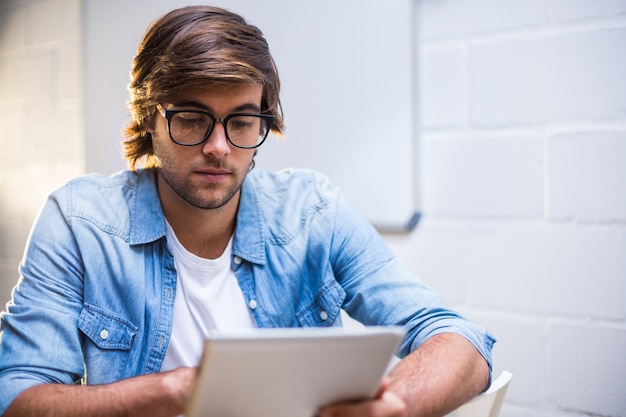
<point x="193" y="46"/>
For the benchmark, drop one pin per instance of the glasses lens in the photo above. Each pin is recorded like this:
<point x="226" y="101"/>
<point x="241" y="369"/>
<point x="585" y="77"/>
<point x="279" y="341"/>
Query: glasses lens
<point x="189" y="128"/>
<point x="247" y="131"/>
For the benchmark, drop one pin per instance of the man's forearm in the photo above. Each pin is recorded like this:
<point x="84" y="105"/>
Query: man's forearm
<point x="156" y="395"/>
<point x="439" y="376"/>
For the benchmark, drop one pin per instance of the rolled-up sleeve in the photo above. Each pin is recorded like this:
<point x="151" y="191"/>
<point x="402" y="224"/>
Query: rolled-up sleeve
<point x="380" y="290"/>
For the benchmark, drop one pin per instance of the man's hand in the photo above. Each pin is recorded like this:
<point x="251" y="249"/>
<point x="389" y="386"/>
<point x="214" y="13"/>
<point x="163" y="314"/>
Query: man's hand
<point x="439" y="376"/>
<point x="385" y="404"/>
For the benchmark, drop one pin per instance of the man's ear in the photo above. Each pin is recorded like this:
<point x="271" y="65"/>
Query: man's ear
<point x="148" y="126"/>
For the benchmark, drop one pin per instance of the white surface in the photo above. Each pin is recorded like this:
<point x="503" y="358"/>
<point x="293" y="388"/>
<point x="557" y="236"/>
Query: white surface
<point x="291" y="372"/>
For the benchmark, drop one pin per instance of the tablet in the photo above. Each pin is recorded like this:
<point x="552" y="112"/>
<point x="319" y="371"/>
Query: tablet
<point x="290" y="372"/>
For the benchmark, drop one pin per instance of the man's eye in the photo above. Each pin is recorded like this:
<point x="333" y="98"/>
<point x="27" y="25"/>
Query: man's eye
<point x="190" y="121"/>
<point x="243" y="122"/>
<point x="240" y="124"/>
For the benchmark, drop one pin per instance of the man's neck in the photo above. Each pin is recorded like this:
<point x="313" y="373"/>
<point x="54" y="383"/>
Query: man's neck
<point x="203" y="232"/>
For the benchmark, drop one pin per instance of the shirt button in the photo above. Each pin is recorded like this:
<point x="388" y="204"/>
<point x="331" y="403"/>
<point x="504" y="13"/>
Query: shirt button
<point x="252" y="304"/>
<point x="323" y="315"/>
<point x="237" y="260"/>
<point x="104" y="334"/>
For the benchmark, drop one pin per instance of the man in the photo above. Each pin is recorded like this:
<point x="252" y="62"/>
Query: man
<point x="123" y="277"/>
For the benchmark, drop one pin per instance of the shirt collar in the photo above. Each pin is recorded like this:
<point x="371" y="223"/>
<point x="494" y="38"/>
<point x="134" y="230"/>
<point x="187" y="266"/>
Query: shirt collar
<point x="250" y="237"/>
<point x="147" y="222"/>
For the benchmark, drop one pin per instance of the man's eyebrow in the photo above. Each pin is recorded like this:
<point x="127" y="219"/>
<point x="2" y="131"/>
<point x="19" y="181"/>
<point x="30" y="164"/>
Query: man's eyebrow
<point x="245" y="107"/>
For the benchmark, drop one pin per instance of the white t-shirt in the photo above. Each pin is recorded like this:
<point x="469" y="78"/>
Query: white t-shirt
<point x="208" y="297"/>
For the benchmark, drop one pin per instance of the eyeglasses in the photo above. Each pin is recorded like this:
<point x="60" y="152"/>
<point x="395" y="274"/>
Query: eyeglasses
<point x="192" y="127"/>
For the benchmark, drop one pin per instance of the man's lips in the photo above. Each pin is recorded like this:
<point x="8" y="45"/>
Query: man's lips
<point x="213" y="174"/>
<point x="213" y="171"/>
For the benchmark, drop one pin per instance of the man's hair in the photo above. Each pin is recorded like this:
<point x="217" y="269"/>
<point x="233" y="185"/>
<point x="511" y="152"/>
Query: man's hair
<point x="195" y="46"/>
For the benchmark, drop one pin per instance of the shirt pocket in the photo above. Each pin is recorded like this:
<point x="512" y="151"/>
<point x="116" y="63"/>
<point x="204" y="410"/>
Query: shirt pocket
<point x="325" y="307"/>
<point x="107" y="344"/>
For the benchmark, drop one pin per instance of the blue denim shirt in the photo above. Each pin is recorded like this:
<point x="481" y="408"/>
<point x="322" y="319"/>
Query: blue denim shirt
<point x="97" y="284"/>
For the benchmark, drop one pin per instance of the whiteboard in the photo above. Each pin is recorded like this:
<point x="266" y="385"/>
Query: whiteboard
<point x="347" y="71"/>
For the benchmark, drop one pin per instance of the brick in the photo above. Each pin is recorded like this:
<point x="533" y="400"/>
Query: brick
<point x="436" y="253"/>
<point x="570" y="77"/>
<point x="27" y="78"/>
<point x="53" y="21"/>
<point x="12" y="120"/>
<point x="10" y="90"/>
<point x="586" y="367"/>
<point x="561" y="269"/>
<point x="441" y="86"/>
<point x="567" y="10"/>
<point x="70" y="68"/>
<point x="511" y="332"/>
<point x="483" y="176"/>
<point x="58" y="129"/>
<point x="459" y="19"/>
<point x="587" y="176"/>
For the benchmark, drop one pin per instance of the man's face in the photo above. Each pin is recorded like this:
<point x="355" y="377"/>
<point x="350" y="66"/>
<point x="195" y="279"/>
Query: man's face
<point x="208" y="175"/>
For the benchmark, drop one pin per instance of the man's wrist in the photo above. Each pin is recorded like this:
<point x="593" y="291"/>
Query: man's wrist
<point x="177" y="386"/>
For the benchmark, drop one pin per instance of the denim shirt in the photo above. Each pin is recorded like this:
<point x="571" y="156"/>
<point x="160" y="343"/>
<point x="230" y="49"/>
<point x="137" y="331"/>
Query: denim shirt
<point x="97" y="283"/>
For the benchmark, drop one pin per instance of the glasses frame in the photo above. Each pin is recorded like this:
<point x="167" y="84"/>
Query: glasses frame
<point x="168" y="114"/>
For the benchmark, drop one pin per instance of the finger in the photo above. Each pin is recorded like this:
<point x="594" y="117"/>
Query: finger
<point x="384" y="384"/>
<point x="389" y="405"/>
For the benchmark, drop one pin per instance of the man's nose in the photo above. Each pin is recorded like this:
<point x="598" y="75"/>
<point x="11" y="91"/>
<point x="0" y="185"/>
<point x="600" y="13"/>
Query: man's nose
<point x="217" y="144"/>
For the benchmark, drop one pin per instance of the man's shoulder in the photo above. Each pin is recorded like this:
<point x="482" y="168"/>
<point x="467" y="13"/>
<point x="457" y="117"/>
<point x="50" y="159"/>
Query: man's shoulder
<point x="106" y="199"/>
<point x="289" y="180"/>
<point x="298" y="188"/>
<point x="286" y="200"/>
<point x="96" y="181"/>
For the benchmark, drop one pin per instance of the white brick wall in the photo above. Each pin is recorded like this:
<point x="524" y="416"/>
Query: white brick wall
<point x="523" y="183"/>
<point x="41" y="144"/>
